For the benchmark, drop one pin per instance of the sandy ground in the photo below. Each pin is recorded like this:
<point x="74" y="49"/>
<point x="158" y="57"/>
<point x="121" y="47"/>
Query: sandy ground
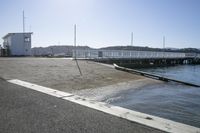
<point x="63" y="74"/>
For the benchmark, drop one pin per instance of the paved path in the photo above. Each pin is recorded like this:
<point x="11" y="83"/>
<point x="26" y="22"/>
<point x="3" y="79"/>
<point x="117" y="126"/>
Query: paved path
<point x="23" y="110"/>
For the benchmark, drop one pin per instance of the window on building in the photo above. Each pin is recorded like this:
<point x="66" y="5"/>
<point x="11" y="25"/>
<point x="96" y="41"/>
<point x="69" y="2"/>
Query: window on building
<point x="27" y="39"/>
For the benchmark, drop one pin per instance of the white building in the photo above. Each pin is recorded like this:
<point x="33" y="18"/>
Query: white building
<point x="119" y="54"/>
<point x="18" y="44"/>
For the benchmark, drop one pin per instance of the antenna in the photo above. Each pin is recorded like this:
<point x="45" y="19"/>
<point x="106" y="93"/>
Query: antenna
<point x="23" y="22"/>
<point x="30" y="28"/>
<point x="131" y="38"/>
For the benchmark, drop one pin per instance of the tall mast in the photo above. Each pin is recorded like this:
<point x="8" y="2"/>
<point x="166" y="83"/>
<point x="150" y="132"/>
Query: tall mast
<point x="163" y="42"/>
<point x="131" y="38"/>
<point x="75" y="41"/>
<point x="23" y="22"/>
<point x="76" y="51"/>
<point x="163" y="47"/>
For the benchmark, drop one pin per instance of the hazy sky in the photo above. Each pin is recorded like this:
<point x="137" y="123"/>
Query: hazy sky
<point x="103" y="23"/>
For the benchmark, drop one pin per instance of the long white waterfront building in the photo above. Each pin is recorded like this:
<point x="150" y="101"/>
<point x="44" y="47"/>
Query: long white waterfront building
<point x="119" y="54"/>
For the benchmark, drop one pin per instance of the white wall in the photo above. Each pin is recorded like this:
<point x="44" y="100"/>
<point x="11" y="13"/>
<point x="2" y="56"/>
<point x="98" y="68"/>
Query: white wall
<point x="18" y="45"/>
<point x="126" y="54"/>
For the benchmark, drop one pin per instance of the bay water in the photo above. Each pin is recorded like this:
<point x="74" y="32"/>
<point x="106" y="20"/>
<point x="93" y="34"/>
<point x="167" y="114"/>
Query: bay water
<point x="169" y="100"/>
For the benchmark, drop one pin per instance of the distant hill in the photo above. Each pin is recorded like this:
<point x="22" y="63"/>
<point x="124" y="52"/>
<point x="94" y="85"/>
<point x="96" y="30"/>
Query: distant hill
<point x="64" y="50"/>
<point x="138" y="48"/>
<point x="188" y="50"/>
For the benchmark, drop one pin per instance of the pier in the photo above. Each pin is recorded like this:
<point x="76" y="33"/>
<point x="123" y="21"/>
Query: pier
<point x="154" y="76"/>
<point x="138" y="58"/>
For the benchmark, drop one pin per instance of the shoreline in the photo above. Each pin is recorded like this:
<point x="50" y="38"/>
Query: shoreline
<point x="103" y="93"/>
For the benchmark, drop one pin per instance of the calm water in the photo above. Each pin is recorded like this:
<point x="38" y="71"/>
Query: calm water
<point x="173" y="101"/>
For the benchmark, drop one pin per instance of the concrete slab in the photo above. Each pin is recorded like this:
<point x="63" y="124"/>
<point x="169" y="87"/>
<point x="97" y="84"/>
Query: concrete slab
<point x="23" y="110"/>
<point x="63" y="74"/>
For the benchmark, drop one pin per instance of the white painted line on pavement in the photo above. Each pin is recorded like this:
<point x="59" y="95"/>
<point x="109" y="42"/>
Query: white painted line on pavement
<point x="138" y="117"/>
<point x="39" y="88"/>
<point x="107" y="65"/>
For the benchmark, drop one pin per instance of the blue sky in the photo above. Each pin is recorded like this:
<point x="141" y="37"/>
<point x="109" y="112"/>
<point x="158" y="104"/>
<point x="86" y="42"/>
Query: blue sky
<point x="102" y="23"/>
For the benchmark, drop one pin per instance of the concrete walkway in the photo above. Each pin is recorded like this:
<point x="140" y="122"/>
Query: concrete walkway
<point x="23" y="110"/>
<point x="63" y="74"/>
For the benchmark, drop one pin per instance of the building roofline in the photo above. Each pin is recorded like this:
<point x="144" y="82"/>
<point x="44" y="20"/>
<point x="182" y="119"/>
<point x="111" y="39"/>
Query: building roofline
<point x="16" y="33"/>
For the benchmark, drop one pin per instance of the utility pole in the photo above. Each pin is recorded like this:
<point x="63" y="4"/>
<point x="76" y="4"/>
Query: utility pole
<point x="131" y="38"/>
<point x="75" y="41"/>
<point x="163" y="42"/>
<point x="23" y="22"/>
<point x="75" y="50"/>
<point x="25" y="45"/>
<point x="164" y="49"/>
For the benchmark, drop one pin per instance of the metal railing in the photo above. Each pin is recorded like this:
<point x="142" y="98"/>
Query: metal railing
<point x="95" y="54"/>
